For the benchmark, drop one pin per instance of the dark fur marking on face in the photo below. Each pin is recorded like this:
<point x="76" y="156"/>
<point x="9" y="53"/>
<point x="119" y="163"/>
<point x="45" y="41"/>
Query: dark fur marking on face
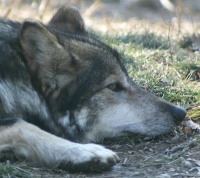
<point x="8" y="121"/>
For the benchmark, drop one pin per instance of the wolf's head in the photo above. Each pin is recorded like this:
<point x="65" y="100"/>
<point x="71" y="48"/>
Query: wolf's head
<point x="85" y="84"/>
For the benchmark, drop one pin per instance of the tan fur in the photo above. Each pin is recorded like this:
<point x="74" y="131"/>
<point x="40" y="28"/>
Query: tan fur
<point x="29" y="142"/>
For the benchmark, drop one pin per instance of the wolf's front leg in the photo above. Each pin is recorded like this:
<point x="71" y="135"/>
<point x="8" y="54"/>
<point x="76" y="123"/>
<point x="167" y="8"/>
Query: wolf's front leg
<point x="31" y="143"/>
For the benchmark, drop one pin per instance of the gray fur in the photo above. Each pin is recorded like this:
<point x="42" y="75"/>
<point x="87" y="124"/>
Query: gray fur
<point x="59" y="83"/>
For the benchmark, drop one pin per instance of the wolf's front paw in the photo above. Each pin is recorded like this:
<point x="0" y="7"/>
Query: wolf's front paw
<point x="91" y="158"/>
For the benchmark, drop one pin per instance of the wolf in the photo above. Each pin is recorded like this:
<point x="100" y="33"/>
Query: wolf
<point x="62" y="91"/>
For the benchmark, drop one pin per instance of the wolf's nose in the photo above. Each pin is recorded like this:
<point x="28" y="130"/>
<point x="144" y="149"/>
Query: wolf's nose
<point x="178" y="113"/>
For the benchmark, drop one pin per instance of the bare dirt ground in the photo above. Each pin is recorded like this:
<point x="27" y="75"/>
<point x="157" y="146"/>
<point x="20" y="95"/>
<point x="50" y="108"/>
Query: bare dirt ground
<point x="174" y="155"/>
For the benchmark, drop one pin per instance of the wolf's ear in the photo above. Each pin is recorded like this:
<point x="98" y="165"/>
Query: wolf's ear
<point x="43" y="55"/>
<point x="37" y="42"/>
<point x="68" y="18"/>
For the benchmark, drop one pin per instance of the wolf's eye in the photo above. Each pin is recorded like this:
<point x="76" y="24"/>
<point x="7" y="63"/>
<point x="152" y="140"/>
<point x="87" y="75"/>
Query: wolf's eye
<point x="115" y="87"/>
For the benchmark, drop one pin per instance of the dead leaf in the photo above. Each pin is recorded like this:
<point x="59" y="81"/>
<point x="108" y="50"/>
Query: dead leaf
<point x="197" y="162"/>
<point x="187" y="130"/>
<point x="195" y="168"/>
